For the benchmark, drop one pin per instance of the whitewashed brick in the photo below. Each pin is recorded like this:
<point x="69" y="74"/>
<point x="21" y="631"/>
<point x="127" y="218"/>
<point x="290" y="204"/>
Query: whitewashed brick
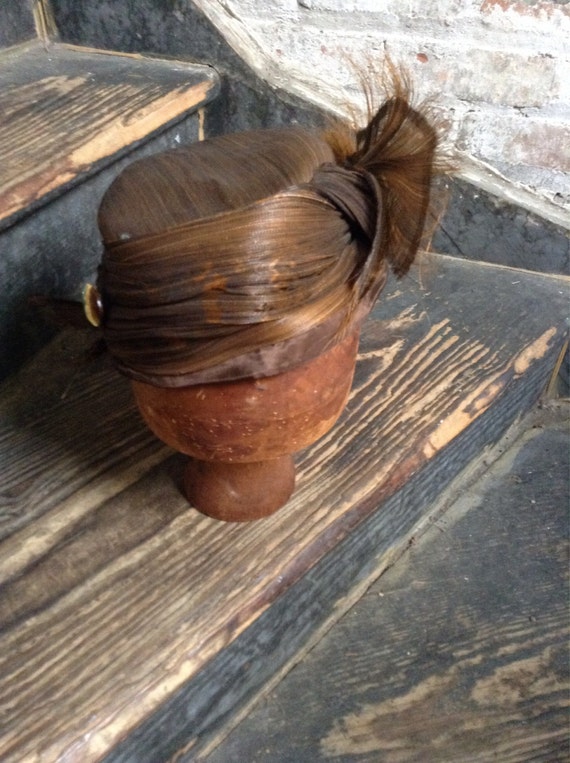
<point x="500" y="69"/>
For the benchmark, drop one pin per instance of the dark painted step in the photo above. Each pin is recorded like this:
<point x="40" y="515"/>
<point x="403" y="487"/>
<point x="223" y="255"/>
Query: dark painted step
<point x="135" y="628"/>
<point x="70" y="119"/>
<point x="460" y="651"/>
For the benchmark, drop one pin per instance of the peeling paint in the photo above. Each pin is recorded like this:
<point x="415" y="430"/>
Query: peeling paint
<point x="478" y="402"/>
<point x="533" y="352"/>
<point x="534" y="8"/>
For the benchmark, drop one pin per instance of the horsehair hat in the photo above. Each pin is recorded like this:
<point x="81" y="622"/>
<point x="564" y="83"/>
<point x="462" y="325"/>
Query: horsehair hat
<point x="248" y="254"/>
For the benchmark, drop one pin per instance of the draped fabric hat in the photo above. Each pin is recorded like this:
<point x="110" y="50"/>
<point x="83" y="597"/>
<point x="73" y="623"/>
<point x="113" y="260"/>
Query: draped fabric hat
<point x="248" y="254"/>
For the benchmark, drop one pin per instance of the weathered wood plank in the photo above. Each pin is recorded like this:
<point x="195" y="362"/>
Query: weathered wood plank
<point x="64" y="110"/>
<point x="67" y="421"/>
<point x="460" y="651"/>
<point x="140" y="614"/>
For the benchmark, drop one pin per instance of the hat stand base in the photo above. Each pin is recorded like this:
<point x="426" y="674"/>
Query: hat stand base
<point x="238" y="491"/>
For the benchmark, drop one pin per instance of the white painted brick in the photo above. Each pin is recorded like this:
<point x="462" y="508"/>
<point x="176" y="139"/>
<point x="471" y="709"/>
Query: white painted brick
<point x="263" y="8"/>
<point x="401" y="8"/>
<point x="516" y="139"/>
<point x="468" y="73"/>
<point x="517" y="16"/>
<point x="491" y="76"/>
<point x="500" y="69"/>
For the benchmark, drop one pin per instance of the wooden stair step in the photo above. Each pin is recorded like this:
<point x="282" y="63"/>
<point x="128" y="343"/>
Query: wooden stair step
<point x="70" y="120"/>
<point x="133" y="628"/>
<point x="67" y="111"/>
<point x="459" y="652"/>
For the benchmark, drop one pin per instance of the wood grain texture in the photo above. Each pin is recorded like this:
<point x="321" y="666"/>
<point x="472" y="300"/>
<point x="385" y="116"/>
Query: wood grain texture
<point x="459" y="652"/>
<point x="64" y="110"/>
<point x="117" y="599"/>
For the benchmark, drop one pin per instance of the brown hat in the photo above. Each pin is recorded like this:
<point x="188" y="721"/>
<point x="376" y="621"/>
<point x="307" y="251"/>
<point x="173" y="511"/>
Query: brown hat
<point x="246" y="255"/>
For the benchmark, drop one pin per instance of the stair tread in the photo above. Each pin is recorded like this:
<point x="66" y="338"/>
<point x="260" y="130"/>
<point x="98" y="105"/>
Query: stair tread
<point x="117" y="597"/>
<point x="66" y="111"/>
<point x="459" y="651"/>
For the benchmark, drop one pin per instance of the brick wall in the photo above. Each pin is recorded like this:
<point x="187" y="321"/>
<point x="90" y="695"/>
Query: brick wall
<point x="499" y="69"/>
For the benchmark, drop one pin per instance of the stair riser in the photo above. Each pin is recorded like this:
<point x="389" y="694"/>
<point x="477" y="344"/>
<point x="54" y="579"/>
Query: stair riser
<point x="56" y="248"/>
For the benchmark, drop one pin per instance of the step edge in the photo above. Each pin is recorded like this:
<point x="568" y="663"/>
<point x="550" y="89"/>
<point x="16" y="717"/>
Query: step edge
<point x="561" y="278"/>
<point x="210" y="83"/>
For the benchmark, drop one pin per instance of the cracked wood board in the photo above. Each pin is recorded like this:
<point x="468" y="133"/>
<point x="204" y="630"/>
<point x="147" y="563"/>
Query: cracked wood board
<point x="133" y="627"/>
<point x="66" y="110"/>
